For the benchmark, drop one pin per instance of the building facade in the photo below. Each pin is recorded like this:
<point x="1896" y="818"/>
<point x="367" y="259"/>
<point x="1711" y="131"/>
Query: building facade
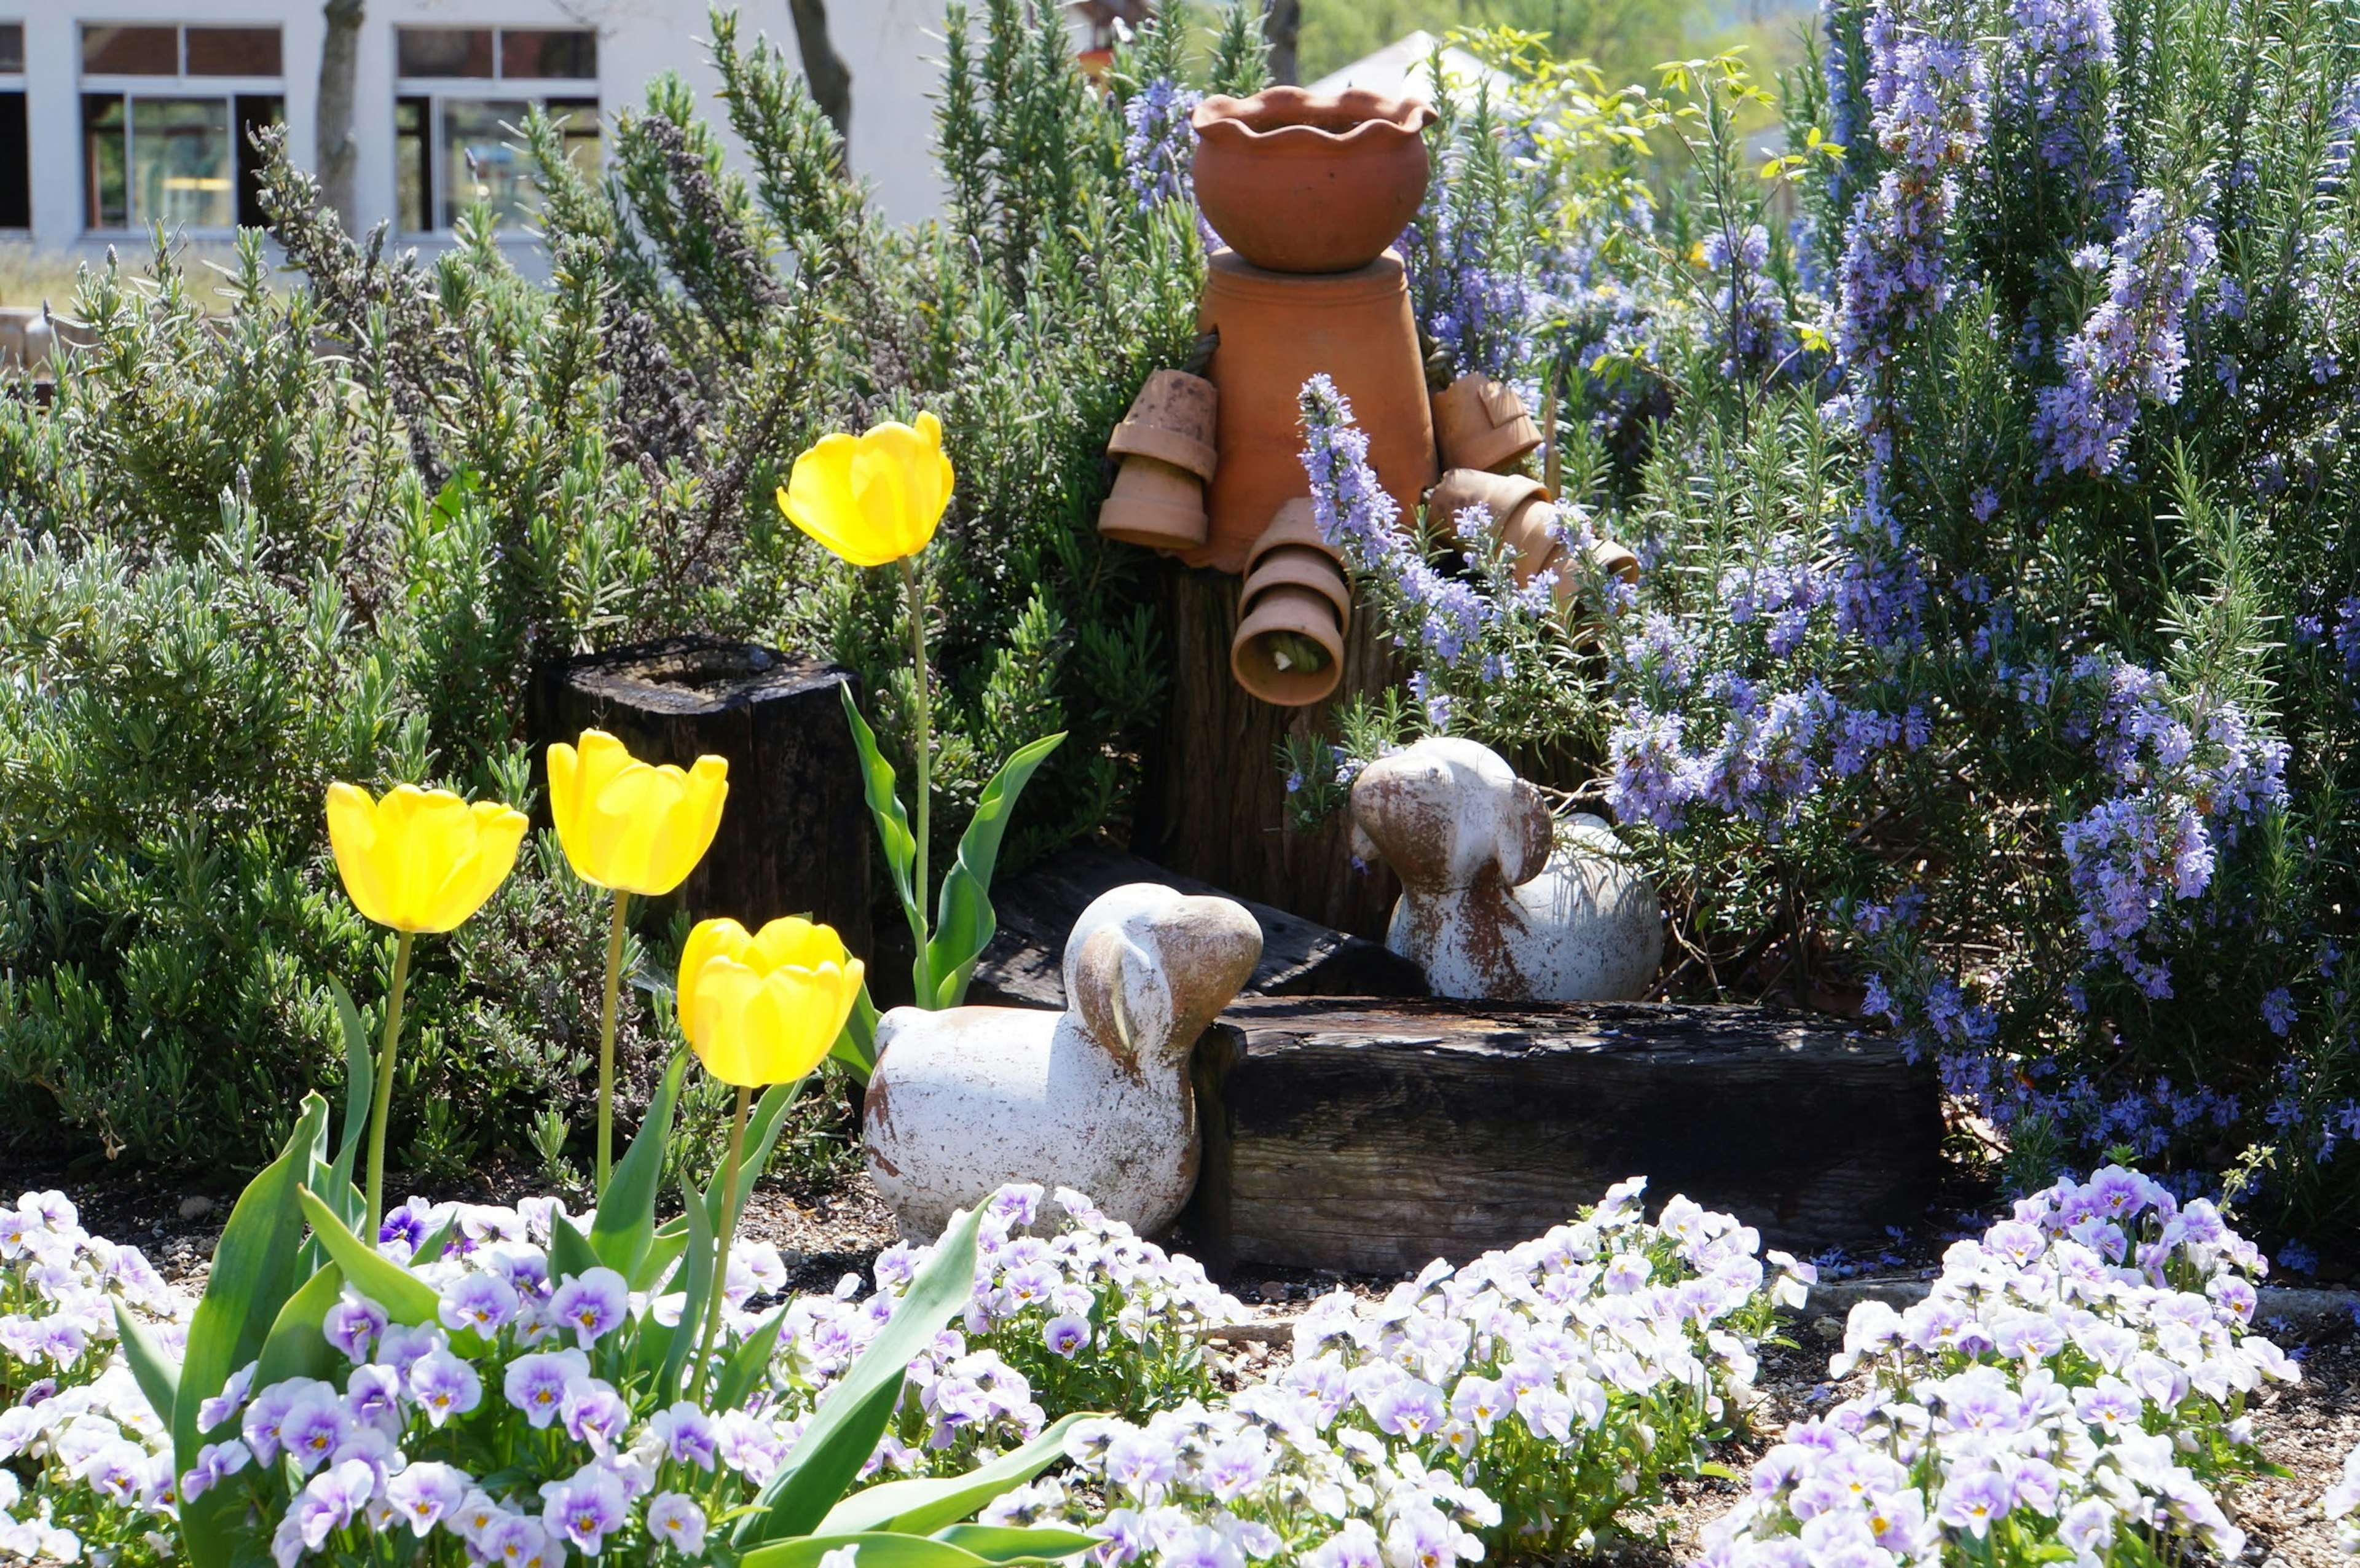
<point x="118" y="115"/>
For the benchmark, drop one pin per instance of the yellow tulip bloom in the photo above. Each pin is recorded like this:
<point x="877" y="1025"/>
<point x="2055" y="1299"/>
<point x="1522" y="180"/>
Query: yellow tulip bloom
<point x="873" y="499"/>
<point x="764" y="1008"/>
<point x="420" y="860"/>
<point x="627" y="825"/>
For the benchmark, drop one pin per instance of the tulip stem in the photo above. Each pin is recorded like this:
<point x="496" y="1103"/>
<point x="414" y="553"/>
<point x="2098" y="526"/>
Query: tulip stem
<point x="607" y="1041"/>
<point x="924" y="744"/>
<point x="382" y="1108"/>
<point x="728" y="1230"/>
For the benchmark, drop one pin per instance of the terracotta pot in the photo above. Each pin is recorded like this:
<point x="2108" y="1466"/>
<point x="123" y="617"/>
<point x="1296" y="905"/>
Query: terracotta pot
<point x="1276" y="333"/>
<point x="1155" y="504"/>
<point x="1532" y="537"/>
<point x="1508" y="498"/>
<point x="1172" y="420"/>
<point x="1285" y="628"/>
<point x="1302" y="181"/>
<point x="1482" y="423"/>
<point x="1301" y="568"/>
<point x="1615" y="561"/>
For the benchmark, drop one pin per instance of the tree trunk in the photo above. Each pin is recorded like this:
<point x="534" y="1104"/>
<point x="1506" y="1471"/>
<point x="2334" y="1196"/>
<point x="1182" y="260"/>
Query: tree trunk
<point x="336" y="150"/>
<point x="824" y="73"/>
<point x="1212" y="799"/>
<point x="1372" y="1137"/>
<point x="1282" y="24"/>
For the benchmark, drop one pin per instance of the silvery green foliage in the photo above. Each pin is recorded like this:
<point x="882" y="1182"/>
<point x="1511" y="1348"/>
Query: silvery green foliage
<point x="2073" y="1386"/>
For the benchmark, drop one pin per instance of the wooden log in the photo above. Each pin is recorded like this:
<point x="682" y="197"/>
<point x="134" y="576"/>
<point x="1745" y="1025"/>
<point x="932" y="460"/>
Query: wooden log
<point x="795" y="835"/>
<point x="1374" y="1136"/>
<point x="1212" y="799"/>
<point x="1024" y="965"/>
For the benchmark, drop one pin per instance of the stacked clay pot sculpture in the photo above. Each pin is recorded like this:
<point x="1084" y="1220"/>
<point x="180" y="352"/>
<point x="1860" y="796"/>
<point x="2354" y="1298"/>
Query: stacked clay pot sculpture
<point x="1165" y="444"/>
<point x="1482" y="423"/>
<point x="1526" y="523"/>
<point x="1097" y="1098"/>
<point x="1299" y="182"/>
<point x="1499" y="902"/>
<point x="1293" y="610"/>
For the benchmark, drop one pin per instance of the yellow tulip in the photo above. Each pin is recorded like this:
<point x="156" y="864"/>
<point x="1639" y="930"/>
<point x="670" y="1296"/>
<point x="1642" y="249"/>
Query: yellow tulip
<point x="420" y="860"/>
<point x="873" y="499"/>
<point x="764" y="1007"/>
<point x="629" y="826"/>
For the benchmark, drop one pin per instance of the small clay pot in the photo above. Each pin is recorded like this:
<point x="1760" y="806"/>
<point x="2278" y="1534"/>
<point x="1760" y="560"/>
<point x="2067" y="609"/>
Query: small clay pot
<point x="1533" y="539"/>
<point x="1300" y="567"/>
<point x="1615" y="561"/>
<point x="1506" y="496"/>
<point x="1155" y="504"/>
<point x="1482" y="423"/>
<point x="1285" y="629"/>
<point x="1172" y="420"/>
<point x="1300" y="181"/>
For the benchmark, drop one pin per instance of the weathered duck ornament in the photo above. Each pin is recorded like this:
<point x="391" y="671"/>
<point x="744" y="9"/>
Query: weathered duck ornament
<point x="1096" y="1099"/>
<point x="1499" y="903"/>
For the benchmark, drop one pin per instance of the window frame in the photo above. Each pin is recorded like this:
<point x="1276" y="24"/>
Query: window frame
<point x="431" y="94"/>
<point x="240" y="97"/>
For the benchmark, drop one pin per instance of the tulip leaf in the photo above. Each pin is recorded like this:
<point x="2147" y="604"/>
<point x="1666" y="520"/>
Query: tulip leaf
<point x="664" y="1251"/>
<point x="843" y="1431"/>
<point x="893" y="834"/>
<point x="151" y="1365"/>
<point x="697" y="1283"/>
<point x="570" y="1252"/>
<point x="432" y="1247"/>
<point x="927" y="1504"/>
<point x="626" y="1222"/>
<point x="405" y="1296"/>
<point x="855" y="1048"/>
<point x="877" y="1550"/>
<point x="1012" y="1543"/>
<point x="297" y="1346"/>
<point x="253" y="1275"/>
<point x="746" y="1364"/>
<point x="360" y="1068"/>
<point x="964" y="922"/>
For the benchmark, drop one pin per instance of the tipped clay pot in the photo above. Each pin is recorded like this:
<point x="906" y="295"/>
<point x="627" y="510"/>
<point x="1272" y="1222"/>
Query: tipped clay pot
<point x="1167" y="446"/>
<point x="1294" y="609"/>
<point x="1276" y="333"/>
<point x="1482" y="423"/>
<point x="1300" y="181"/>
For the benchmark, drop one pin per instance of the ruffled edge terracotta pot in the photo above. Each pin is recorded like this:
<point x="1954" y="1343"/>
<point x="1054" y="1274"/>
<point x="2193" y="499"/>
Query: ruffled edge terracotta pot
<point x="1482" y="423"/>
<point x="1301" y="182"/>
<point x="1295" y="586"/>
<point x="1165" y="442"/>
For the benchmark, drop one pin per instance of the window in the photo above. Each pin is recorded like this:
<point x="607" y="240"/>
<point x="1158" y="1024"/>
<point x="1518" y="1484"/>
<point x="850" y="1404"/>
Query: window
<point x="169" y="116"/>
<point x="455" y="119"/>
<point x="16" y="149"/>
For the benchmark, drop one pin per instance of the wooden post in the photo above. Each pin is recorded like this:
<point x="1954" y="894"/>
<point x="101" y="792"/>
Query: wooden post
<point x="1212" y="799"/>
<point x="1372" y="1136"/>
<point x="795" y="835"/>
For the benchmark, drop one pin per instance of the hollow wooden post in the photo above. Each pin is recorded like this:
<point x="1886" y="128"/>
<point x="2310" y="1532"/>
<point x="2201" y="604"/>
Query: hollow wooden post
<point x="795" y="835"/>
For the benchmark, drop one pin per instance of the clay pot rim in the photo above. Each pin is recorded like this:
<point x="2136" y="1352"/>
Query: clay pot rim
<point x="1294" y="120"/>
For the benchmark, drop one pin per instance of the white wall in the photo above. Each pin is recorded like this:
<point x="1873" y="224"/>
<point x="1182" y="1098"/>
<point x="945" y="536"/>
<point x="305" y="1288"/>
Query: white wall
<point x="892" y="46"/>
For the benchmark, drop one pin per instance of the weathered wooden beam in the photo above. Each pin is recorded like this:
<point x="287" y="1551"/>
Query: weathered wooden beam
<point x="1025" y="964"/>
<point x="795" y="835"/>
<point x="1374" y="1136"/>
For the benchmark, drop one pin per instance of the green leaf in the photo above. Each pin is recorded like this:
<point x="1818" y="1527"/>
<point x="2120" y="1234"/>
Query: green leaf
<point x="151" y="1365"/>
<point x="1009" y="1543"/>
<point x="877" y="1551"/>
<point x="405" y="1296"/>
<point x="360" y="1069"/>
<point x="297" y="1346"/>
<point x="695" y="1282"/>
<point x="844" y="1430"/>
<point x="663" y="1251"/>
<point x="570" y="1252"/>
<point x="964" y="922"/>
<point x="747" y="1363"/>
<point x="252" y="1276"/>
<point x="926" y="1505"/>
<point x="762" y="1128"/>
<point x="432" y="1247"/>
<point x="893" y="834"/>
<point x="855" y="1048"/>
<point x="625" y="1222"/>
